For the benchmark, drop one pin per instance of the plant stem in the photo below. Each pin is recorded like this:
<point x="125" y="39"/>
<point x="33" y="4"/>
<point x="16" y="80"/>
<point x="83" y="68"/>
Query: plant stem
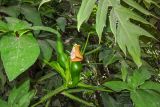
<point x="86" y="44"/>
<point x="77" y="90"/>
<point x="50" y="94"/>
<point x="99" y="88"/>
<point x="77" y="99"/>
<point x="47" y="76"/>
<point x="48" y="102"/>
<point x="92" y="51"/>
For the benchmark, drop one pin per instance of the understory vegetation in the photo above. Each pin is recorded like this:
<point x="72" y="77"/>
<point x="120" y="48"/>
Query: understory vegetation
<point x="79" y="53"/>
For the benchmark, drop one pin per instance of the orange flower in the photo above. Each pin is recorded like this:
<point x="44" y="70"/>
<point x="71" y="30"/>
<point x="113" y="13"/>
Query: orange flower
<point x="76" y="55"/>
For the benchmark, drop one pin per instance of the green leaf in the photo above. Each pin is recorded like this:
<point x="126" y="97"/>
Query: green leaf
<point x="42" y="2"/>
<point x="3" y="27"/>
<point x="124" y="70"/>
<point x="145" y="98"/>
<point x="61" y="21"/>
<point x="16" y="93"/>
<point x="18" y="53"/>
<point x="25" y="99"/>
<point x="101" y="16"/>
<point x="152" y="2"/>
<point x="151" y="85"/>
<point x="138" y="7"/>
<point x="116" y="85"/>
<point x="85" y="11"/>
<point x="55" y="65"/>
<point x="139" y="77"/>
<point x="12" y="11"/>
<point x="3" y="103"/>
<point x="48" y="29"/>
<point x="108" y="101"/>
<point x="15" y="24"/>
<point x="108" y="57"/>
<point x="45" y="50"/>
<point x="3" y="79"/>
<point x="21" y="96"/>
<point x="125" y="36"/>
<point x="31" y="14"/>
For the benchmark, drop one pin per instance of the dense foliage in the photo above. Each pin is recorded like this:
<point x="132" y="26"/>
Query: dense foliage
<point x="73" y="53"/>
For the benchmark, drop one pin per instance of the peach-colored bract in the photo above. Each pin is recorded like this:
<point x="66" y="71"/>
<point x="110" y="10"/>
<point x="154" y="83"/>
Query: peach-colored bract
<point x="76" y="55"/>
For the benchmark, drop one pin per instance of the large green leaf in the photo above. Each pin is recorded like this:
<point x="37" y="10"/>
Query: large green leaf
<point x="85" y="11"/>
<point x="151" y="85"/>
<point x="145" y="98"/>
<point x="18" y="53"/>
<point x="124" y="33"/>
<point x="121" y="26"/>
<point x="101" y="16"/>
<point x="139" y="77"/>
<point x="116" y="85"/>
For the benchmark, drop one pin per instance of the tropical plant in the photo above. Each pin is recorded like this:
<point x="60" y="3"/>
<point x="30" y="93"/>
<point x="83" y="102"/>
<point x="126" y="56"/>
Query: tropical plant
<point x="117" y="65"/>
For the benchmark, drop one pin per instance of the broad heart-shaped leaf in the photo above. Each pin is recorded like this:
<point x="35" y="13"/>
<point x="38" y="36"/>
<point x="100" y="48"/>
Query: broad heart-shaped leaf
<point x="151" y="85"/>
<point x="101" y="16"/>
<point x="85" y="11"/>
<point x="18" y="53"/>
<point x="116" y="85"/>
<point x="126" y="33"/>
<point x="145" y="98"/>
